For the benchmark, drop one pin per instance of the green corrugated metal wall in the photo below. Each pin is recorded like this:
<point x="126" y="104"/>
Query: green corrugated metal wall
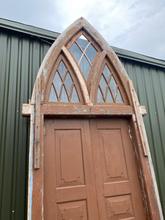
<point x="20" y="58"/>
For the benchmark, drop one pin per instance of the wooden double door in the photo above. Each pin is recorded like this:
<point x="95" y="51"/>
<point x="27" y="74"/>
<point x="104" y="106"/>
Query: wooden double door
<point x="90" y="171"/>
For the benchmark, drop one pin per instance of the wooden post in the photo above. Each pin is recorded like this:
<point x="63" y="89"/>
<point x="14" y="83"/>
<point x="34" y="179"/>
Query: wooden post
<point x="154" y="200"/>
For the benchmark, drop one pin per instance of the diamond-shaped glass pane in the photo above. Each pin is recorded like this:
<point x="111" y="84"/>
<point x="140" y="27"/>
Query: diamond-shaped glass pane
<point x="74" y="97"/>
<point x="63" y="88"/>
<point x="91" y="53"/>
<point x="103" y="85"/>
<point x="64" y="97"/>
<point x="99" y="97"/>
<point x="57" y="83"/>
<point x="113" y="86"/>
<point x="109" y="98"/>
<point x="107" y="73"/>
<point x="52" y="96"/>
<point x="68" y="83"/>
<point x="108" y="90"/>
<point x="82" y="42"/>
<point x="76" y="52"/>
<point x="84" y="66"/>
<point x="62" y="69"/>
<point x="118" y="98"/>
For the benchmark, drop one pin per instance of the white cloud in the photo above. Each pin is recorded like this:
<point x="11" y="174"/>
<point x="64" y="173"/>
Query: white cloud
<point x="131" y="24"/>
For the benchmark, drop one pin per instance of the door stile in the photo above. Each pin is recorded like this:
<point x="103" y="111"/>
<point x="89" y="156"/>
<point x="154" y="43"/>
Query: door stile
<point x="91" y="189"/>
<point x="97" y="170"/>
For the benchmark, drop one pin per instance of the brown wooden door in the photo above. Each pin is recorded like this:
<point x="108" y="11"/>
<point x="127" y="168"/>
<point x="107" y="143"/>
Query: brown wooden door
<point x="118" y="190"/>
<point x="69" y="178"/>
<point x="90" y="171"/>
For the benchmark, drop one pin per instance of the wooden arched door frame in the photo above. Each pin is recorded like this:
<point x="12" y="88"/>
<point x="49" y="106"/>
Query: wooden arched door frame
<point x="39" y="107"/>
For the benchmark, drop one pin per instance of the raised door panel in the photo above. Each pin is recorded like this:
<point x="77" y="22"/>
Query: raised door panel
<point x="118" y="190"/>
<point x="69" y="180"/>
<point x="69" y="158"/>
<point x="73" y="210"/>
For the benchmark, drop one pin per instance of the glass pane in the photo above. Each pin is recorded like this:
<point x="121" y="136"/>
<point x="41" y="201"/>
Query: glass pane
<point x="103" y="85"/>
<point x="74" y="98"/>
<point x="62" y="69"/>
<point x="76" y="52"/>
<point x="106" y="73"/>
<point x="113" y="87"/>
<point x="84" y="53"/>
<point x="57" y="83"/>
<point x="108" y="88"/>
<point x="99" y="97"/>
<point x="109" y="98"/>
<point x="118" y="97"/>
<point x="68" y="83"/>
<point x="52" y="96"/>
<point x="91" y="53"/>
<point x="64" y="97"/>
<point x="63" y="88"/>
<point x="84" y="66"/>
<point x="82" y="42"/>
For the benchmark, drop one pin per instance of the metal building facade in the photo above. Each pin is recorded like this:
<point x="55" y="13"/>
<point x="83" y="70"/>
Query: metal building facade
<point x="22" y="49"/>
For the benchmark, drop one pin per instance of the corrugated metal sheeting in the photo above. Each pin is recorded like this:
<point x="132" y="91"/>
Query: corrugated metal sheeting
<point x="21" y="56"/>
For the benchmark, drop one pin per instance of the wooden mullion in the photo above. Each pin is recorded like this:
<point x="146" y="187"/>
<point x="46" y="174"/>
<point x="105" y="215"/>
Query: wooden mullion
<point x="101" y="93"/>
<point x="65" y="72"/>
<point x="79" y="47"/>
<point x="87" y="59"/>
<point x="62" y="80"/>
<point x="84" y="54"/>
<point x="62" y="84"/>
<point x="110" y="87"/>
<point x="117" y="92"/>
<point x="58" y="96"/>
<point x="60" y="92"/>
<point x="93" y="42"/>
<point x="74" y="38"/>
<point x="55" y="90"/>
<point x="71" y="90"/>
<point x="107" y="88"/>
<point x="67" y="93"/>
<point x="78" y="74"/>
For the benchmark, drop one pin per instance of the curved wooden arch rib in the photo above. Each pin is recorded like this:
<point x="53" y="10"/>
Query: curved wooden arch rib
<point x="79" y="76"/>
<point x="97" y="70"/>
<point x="69" y="62"/>
<point x="51" y="57"/>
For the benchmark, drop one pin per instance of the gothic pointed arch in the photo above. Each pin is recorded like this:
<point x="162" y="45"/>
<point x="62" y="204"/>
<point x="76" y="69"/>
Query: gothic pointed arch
<point x="63" y="85"/>
<point x="107" y="87"/>
<point x="84" y="52"/>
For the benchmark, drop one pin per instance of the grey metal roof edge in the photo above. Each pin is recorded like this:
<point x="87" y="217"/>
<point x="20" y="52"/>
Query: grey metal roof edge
<point x="28" y="29"/>
<point x="123" y="53"/>
<point x="51" y="35"/>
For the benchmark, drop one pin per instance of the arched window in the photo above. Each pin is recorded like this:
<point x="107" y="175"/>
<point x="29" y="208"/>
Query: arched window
<point x="77" y="73"/>
<point x="64" y="85"/>
<point x="108" y="90"/>
<point x="84" y="51"/>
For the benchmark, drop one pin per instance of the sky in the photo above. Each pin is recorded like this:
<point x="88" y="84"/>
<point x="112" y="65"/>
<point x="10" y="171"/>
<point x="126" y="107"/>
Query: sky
<point x="136" y="25"/>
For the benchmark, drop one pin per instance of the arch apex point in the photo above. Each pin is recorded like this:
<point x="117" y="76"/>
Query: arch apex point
<point x="83" y="21"/>
<point x="82" y="18"/>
